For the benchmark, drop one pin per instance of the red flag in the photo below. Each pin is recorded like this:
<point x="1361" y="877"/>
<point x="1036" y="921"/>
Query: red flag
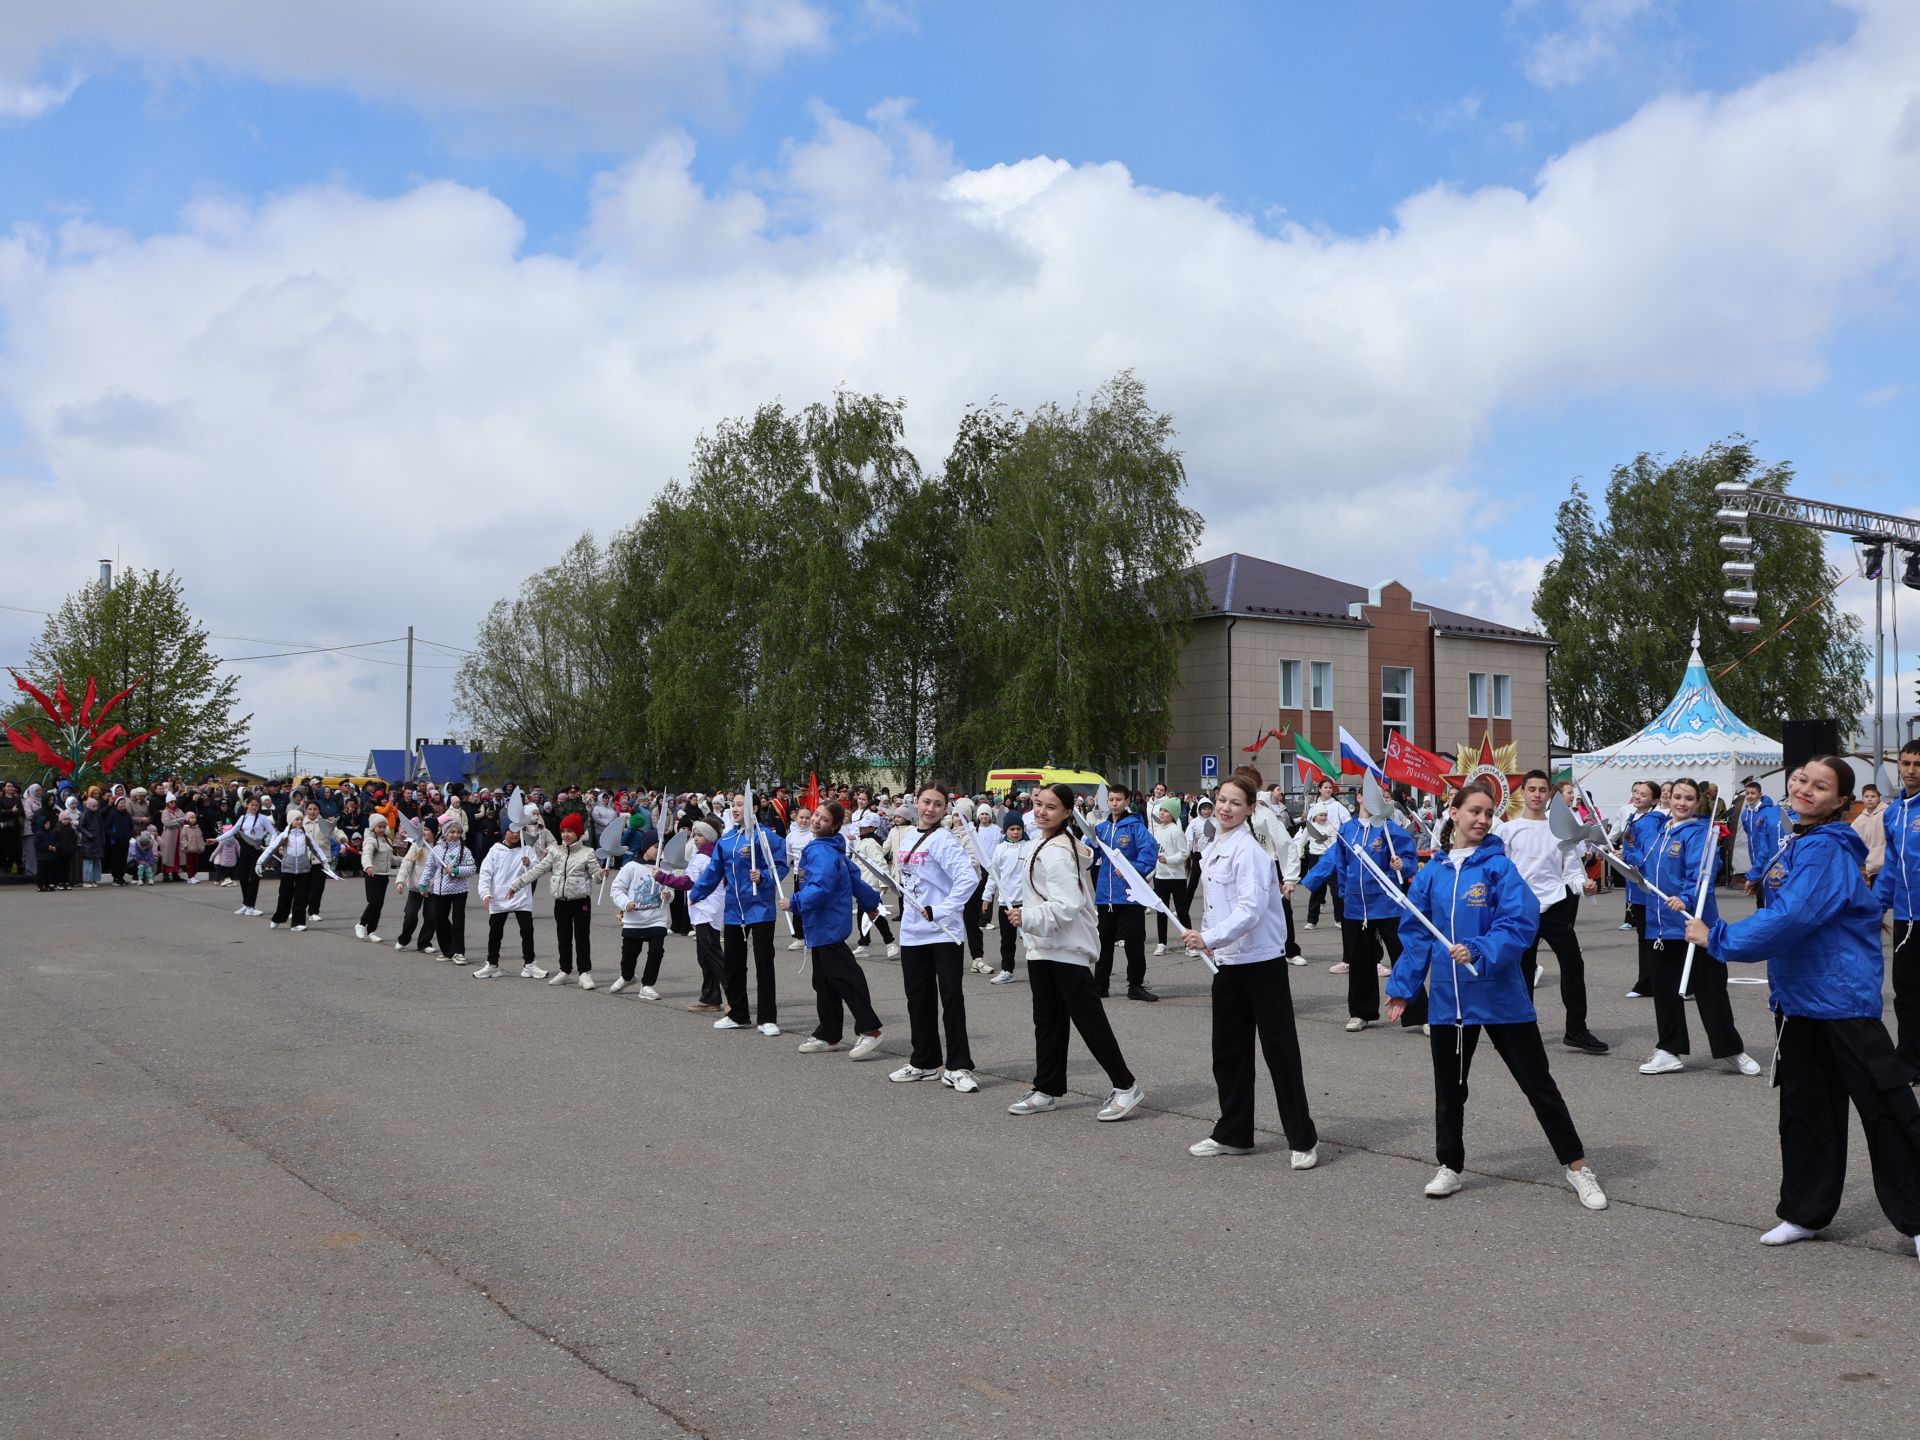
<point x="812" y="798"/>
<point x="1308" y="773"/>
<point x="1410" y="765"/>
<point x="60" y="699"/>
<point x="32" y="744"/>
<point x="106" y="765"/>
<point x="1260" y="743"/>
<point x="86" y="705"/>
<point x="46" y="704"/>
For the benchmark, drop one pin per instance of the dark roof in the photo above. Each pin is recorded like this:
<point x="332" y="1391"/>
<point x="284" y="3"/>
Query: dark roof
<point x="1247" y="585"/>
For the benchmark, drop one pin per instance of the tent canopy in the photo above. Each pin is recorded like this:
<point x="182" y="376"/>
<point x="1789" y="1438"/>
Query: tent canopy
<point x="1696" y="736"/>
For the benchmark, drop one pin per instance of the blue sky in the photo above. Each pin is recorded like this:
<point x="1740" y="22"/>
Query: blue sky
<point x="216" y="198"/>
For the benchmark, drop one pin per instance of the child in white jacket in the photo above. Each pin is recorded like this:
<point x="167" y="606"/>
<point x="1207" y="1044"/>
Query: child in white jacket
<point x="1170" y="870"/>
<point x="642" y="894"/>
<point x="504" y="862"/>
<point x="867" y="846"/>
<point x="1007" y="883"/>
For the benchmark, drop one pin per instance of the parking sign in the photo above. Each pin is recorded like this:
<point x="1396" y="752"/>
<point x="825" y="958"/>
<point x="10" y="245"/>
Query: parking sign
<point x="1209" y="767"/>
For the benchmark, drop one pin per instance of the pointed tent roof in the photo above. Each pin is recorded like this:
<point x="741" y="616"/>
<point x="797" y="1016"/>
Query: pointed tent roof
<point x="1696" y="728"/>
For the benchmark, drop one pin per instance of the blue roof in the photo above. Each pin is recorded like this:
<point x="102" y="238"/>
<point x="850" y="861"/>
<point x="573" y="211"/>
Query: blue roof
<point x="445" y="764"/>
<point x="389" y="765"/>
<point x="1697" y="710"/>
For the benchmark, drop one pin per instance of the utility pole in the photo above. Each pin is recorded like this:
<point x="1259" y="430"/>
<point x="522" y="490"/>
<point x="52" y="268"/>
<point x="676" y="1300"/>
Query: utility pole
<point x="1880" y="668"/>
<point x="296" y="762"/>
<point x="407" y="774"/>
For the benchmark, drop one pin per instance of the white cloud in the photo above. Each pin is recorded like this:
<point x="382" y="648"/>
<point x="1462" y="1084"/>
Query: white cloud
<point x="1592" y="38"/>
<point x="340" y="414"/>
<point x="30" y="102"/>
<point x="604" y="70"/>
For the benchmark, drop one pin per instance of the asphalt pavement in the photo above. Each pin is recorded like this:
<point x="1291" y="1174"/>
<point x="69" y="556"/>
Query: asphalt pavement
<point x="265" y="1184"/>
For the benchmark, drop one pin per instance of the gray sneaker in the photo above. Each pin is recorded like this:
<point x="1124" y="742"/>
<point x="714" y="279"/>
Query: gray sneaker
<point x="1034" y="1102"/>
<point x="1121" y="1103"/>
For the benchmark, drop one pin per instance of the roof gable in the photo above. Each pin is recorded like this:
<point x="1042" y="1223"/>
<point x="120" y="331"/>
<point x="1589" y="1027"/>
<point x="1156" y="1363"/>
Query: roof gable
<point x="1238" y="584"/>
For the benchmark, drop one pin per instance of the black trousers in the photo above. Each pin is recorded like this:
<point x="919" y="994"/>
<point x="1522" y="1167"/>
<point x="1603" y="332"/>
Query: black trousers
<point x="1174" y="892"/>
<point x="117" y="864"/>
<point x="1824" y="1064"/>
<point x="573" y="924"/>
<point x="445" y="924"/>
<point x="1709" y="984"/>
<point x="734" y="951"/>
<point x="1526" y="1058"/>
<point x="249" y="877"/>
<point x="1319" y="893"/>
<point x="376" y="886"/>
<point x="1906" y="988"/>
<point x="410" y="917"/>
<point x="316" y="890"/>
<point x="1064" y="995"/>
<point x="496" y="931"/>
<point x="1293" y="931"/>
<point x="1009" y="942"/>
<point x="291" y="908"/>
<point x="1556" y="929"/>
<point x="973" y="921"/>
<point x="1249" y="1001"/>
<point x="1361" y="945"/>
<point x="1126" y="924"/>
<point x="682" y="923"/>
<point x="711" y="957"/>
<point x="840" y="989"/>
<point x="932" y="975"/>
<point x="654" y="942"/>
<point x="1637" y="918"/>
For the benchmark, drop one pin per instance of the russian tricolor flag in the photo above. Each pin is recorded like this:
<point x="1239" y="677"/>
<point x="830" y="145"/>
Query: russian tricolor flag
<point x="1354" y="759"/>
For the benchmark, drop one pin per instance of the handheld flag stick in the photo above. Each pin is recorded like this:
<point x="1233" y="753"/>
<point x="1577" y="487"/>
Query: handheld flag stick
<point x="1141" y="893"/>
<point x="1399" y="897"/>
<point x="1708" y="858"/>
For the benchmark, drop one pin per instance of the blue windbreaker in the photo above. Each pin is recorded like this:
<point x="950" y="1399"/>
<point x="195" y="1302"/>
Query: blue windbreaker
<point x="1820" y="932"/>
<point x="731" y="862"/>
<point x="1636" y="848"/>
<point x="1898" y="887"/>
<point x="825" y="892"/>
<point x="1361" y="897"/>
<point x="1131" y="837"/>
<point x="1486" y="906"/>
<point x="1761" y="825"/>
<point x="1679" y="850"/>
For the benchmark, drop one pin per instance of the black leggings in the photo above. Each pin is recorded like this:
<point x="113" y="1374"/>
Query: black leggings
<point x="573" y="923"/>
<point x="1009" y="942"/>
<point x="1526" y="1058"/>
<point x="446" y="924"/>
<point x="1824" y="1064"/>
<point x="376" y="886"/>
<point x="1064" y="994"/>
<point x="839" y="989"/>
<point x="1248" y="1001"/>
<point x="496" y="931"/>
<point x="292" y="905"/>
<point x="734" y="951"/>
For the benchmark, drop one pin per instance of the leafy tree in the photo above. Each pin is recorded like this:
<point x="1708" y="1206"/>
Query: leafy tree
<point x="1622" y="596"/>
<point x="139" y="628"/>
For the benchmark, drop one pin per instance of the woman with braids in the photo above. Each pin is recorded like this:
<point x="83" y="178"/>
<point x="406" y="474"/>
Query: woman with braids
<point x="1819" y="937"/>
<point x="1244" y="930"/>
<point x="1476" y="897"/>
<point x="1056" y="915"/>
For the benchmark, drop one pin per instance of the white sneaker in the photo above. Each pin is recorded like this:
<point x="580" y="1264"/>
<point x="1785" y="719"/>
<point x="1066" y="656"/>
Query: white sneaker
<point x="1623" y="925"/>
<point x="1661" y="1063"/>
<point x="243" y="910"/>
<point x="561" y="977"/>
<point x="1635" y="995"/>
<point x="617" y="986"/>
<point x="1382" y="970"/>
<point x="1160" y="949"/>
<point x="299" y="929"/>
<point x="981" y="967"/>
<point x="1339" y="967"/>
<point x="907" y="1074"/>
<point x="459" y="959"/>
<point x="769" y="1028"/>
<point x="273" y="924"/>
<point x="1034" y="1102"/>
<point x="864" y="1048"/>
<point x="893" y="950"/>
<point x="1446" y="1181"/>
<point x="816" y="1046"/>
<point x="1538" y="971"/>
<point x="1586" y="1185"/>
<point x="1296" y="960"/>
<point x="647" y="992"/>
<point x="1003" y="977"/>
<point x="727" y="1022"/>
<point x="532" y="972"/>
<point x="373" y="939"/>
<point x="1307" y="926"/>
<point x="1355" y="1023"/>
<point x="399" y="945"/>
<point x="486" y="972"/>
<point x="1788" y="1233"/>
<point x="1210" y="1147"/>
<point x="1426" y="1030"/>
<point x="1121" y="1103"/>
<point x="1743" y="1064"/>
<point x="359" y="932"/>
<point x="796" y="944"/>
<point x="1304" y="1159"/>
<point x="961" y="1080"/>
<point x="858" y="951"/>
<point x="586" y="981"/>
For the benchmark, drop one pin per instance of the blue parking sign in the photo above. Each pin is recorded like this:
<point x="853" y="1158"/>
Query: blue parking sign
<point x="1209" y="767"/>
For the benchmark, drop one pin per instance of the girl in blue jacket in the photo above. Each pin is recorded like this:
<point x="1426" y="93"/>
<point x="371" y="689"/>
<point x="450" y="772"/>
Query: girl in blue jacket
<point x="1476" y="897"/>
<point x="1819" y="937"/>
<point x="1369" y="916"/>
<point x="825" y="890"/>
<point x="750" y="862"/>
<point x="1898" y="891"/>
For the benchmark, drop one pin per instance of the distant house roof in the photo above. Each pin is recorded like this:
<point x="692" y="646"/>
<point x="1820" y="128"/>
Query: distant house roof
<point x="445" y="764"/>
<point x="389" y="765"/>
<point x="1239" y="584"/>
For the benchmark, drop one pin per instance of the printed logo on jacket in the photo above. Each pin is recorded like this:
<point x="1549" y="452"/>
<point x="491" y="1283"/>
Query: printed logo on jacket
<point x="1476" y="893"/>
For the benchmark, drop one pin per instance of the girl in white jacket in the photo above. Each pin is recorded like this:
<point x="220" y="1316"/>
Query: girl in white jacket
<point x="504" y="861"/>
<point x="1245" y="933"/>
<point x="1056" y="915"/>
<point x="936" y="881"/>
<point x="1170" y="870"/>
<point x="1007" y="883"/>
<point x="642" y="894"/>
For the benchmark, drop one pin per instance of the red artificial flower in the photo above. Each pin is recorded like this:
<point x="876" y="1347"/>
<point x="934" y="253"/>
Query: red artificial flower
<point x="105" y="740"/>
<point x="60" y="699"/>
<point x="32" y="744"/>
<point x="107" y="709"/>
<point x="106" y="765"/>
<point x="40" y="695"/>
<point x="86" y="705"/>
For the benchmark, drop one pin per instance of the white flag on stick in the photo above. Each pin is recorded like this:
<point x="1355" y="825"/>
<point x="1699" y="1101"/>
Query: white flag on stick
<point x="1141" y="893"/>
<point x="1399" y="898"/>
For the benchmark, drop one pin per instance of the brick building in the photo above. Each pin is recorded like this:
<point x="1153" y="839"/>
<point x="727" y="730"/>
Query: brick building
<point x="1277" y="648"/>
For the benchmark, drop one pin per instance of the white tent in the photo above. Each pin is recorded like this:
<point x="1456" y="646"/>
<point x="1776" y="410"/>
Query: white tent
<point x="1696" y="736"/>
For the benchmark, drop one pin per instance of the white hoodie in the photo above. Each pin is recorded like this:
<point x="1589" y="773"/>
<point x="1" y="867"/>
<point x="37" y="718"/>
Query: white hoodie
<point x="1056" y="917"/>
<point x="497" y="872"/>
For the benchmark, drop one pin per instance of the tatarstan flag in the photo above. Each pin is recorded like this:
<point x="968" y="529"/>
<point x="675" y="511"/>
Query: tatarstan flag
<point x="1309" y="764"/>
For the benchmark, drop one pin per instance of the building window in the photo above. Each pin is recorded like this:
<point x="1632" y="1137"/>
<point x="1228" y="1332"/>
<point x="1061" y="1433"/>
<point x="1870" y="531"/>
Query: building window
<point x="1477" y="695"/>
<point x="1289" y="774"/>
<point x="1159" y="771"/>
<point x="1503" y="697"/>
<point x="1396" y="701"/>
<point x="1320" y="677"/>
<point x="1290" y="685"/>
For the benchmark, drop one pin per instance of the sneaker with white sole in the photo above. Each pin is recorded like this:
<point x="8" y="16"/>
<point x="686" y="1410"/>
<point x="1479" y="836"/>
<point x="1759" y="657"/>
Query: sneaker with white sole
<point x="858" y="951"/>
<point x="399" y="944"/>
<point x="769" y="1028"/>
<point x="981" y="967"/>
<point x="1296" y="960"/>
<point x="1788" y="1233"/>
<point x="486" y="972"/>
<point x="1209" y="1147"/>
<point x="1635" y="995"/>
<point x="1446" y="1181"/>
<point x="816" y="1046"/>
<point x="316" y="918"/>
<point x="1586" y="1185"/>
<point x="1034" y="1102"/>
<point x="961" y="1080"/>
<point x="372" y="939"/>
<point x="532" y="972"/>
<point x="586" y="981"/>
<point x="359" y="932"/>
<point x="1355" y="1023"/>
<point x="1121" y="1103"/>
<point x="1339" y="967"/>
<point x="796" y="944"/>
<point x="907" y="1074"/>
<point x="727" y="1022"/>
<point x="1003" y="977"/>
<point x="1743" y="1064"/>
<point x="1308" y="926"/>
<point x="299" y="929"/>
<point x="1160" y="949"/>
<point x="273" y="924"/>
<point x="459" y="959"/>
<point x="1383" y="971"/>
<point x="865" y="1048"/>
<point x="617" y="986"/>
<point x="1304" y="1159"/>
<point x="1538" y="971"/>
<point x="1661" y="1063"/>
<point x="561" y="977"/>
<point x="647" y="992"/>
<point x="893" y="950"/>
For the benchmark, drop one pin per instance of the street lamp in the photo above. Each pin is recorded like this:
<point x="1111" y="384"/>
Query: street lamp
<point x="1910" y="577"/>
